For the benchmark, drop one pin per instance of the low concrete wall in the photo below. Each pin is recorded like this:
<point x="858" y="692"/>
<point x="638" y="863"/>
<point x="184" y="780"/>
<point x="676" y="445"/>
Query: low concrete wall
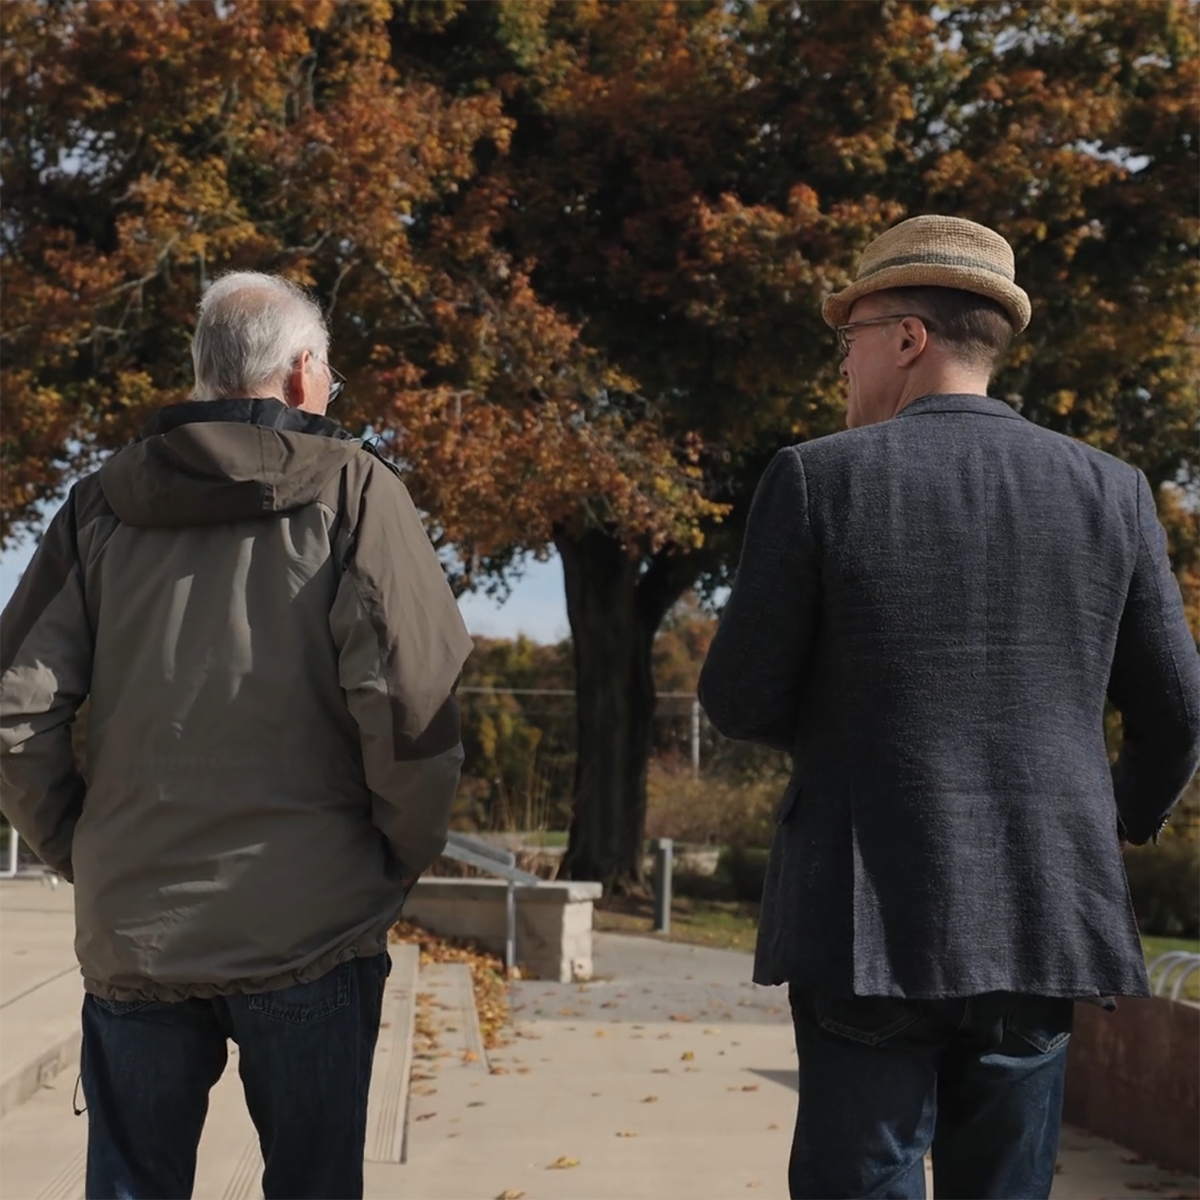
<point x="1133" y="1077"/>
<point x="554" y="920"/>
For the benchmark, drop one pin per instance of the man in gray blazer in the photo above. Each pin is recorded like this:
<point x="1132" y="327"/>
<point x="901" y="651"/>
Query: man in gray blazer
<point x="930" y="610"/>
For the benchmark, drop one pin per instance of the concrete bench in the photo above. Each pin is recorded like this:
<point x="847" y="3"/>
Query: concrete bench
<point x="554" y="920"/>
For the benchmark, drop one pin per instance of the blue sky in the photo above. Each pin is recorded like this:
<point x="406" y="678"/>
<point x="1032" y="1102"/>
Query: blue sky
<point x="536" y="607"/>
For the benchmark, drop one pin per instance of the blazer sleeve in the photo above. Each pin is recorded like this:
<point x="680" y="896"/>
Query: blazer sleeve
<point x="45" y="675"/>
<point x="401" y="647"/>
<point x="752" y="678"/>
<point x="1155" y="683"/>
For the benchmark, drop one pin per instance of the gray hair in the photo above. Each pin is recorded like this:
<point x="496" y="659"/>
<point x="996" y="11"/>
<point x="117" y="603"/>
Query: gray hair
<point x="252" y="328"/>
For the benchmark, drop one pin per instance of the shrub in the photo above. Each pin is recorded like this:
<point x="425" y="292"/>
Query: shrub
<point x="746" y="867"/>
<point x="1164" y="884"/>
<point x="710" y="810"/>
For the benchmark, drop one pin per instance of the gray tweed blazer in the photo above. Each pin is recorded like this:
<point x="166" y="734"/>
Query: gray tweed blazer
<point x="928" y="615"/>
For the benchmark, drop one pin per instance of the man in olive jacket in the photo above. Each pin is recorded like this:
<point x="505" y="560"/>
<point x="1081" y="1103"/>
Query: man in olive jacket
<point x="247" y="598"/>
<point x="930" y="610"/>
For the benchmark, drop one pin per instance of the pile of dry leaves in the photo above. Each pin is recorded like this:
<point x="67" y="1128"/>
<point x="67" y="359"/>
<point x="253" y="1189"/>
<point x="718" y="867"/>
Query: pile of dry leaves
<point x="487" y="974"/>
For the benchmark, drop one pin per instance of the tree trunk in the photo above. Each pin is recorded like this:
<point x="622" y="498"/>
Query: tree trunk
<point x="615" y="608"/>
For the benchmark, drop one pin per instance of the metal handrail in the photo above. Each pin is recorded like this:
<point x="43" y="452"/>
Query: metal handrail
<point x="1178" y="963"/>
<point x="500" y="862"/>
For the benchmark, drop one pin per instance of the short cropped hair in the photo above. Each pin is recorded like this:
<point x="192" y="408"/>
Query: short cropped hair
<point x="974" y="328"/>
<point x="252" y="327"/>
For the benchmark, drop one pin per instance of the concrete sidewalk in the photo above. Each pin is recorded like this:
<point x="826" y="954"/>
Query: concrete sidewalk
<point x="670" y="1076"/>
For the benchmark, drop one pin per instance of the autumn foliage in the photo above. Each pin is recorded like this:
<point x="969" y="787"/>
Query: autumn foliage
<point x="573" y="254"/>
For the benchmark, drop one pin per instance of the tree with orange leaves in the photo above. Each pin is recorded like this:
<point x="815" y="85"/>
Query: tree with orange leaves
<point x="573" y="254"/>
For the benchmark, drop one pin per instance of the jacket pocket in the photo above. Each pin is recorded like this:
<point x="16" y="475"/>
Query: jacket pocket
<point x="304" y="1003"/>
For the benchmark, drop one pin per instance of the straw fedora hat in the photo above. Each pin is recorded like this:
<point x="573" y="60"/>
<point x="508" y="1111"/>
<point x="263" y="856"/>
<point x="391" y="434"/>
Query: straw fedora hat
<point x="936" y="251"/>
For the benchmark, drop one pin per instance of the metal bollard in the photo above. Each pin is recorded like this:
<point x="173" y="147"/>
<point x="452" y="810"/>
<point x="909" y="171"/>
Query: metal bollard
<point x="14" y="854"/>
<point x="664" y="855"/>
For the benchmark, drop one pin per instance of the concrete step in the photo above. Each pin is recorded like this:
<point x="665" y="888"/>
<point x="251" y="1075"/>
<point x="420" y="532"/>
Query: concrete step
<point x="450" y="996"/>
<point x="40" y="988"/>
<point x="39" y="1036"/>
<point x="387" y="1107"/>
<point x="42" y="1145"/>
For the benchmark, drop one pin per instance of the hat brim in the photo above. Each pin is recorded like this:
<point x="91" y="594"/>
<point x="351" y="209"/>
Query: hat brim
<point x="1014" y="301"/>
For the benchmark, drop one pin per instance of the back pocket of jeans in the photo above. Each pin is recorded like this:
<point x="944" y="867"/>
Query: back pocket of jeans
<point x="121" y="1008"/>
<point x="871" y="1020"/>
<point x="1043" y="1022"/>
<point x="304" y="1003"/>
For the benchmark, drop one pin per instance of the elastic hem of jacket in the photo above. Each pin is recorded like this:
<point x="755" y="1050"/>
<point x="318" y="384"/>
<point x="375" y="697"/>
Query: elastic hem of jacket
<point x="366" y="946"/>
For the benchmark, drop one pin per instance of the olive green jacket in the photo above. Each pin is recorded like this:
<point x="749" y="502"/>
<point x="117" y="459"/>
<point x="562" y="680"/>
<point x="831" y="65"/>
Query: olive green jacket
<point x="269" y="646"/>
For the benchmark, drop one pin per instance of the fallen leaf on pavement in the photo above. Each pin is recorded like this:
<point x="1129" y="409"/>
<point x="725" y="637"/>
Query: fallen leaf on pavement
<point x="773" y="1125"/>
<point x="660" y="1070"/>
<point x="602" y="1033"/>
<point x="561" y="1164"/>
<point x="425" y="1116"/>
<point x="687" y="1056"/>
<point x="476" y="1103"/>
<point x="510" y="1194"/>
<point x="680" y="1017"/>
<point x="523" y="1070"/>
<point x="749" y="1087"/>
<point x="649" y="1099"/>
<point x="469" y="1056"/>
<point x="499" y="1071"/>
<point x="626" y="1133"/>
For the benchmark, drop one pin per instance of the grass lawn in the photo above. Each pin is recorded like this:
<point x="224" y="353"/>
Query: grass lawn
<point x="546" y="837"/>
<point x="725" y="924"/>
<point x="732" y="925"/>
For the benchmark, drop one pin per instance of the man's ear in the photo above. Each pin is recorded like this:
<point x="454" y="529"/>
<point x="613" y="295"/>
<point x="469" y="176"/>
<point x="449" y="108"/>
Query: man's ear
<point x="913" y="340"/>
<point x="293" y="383"/>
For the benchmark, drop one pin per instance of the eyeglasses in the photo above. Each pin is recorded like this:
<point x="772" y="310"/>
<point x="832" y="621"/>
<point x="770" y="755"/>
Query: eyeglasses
<point x="337" y="382"/>
<point x="890" y="319"/>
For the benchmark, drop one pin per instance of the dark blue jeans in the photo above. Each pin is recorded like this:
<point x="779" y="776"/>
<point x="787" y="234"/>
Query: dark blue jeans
<point x="882" y="1080"/>
<point x="305" y="1062"/>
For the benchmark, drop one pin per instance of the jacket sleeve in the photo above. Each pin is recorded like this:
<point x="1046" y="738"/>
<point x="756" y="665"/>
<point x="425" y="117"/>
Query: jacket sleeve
<point x="401" y="646"/>
<point x="752" y="678"/>
<point x="45" y="675"/>
<point x="1155" y="683"/>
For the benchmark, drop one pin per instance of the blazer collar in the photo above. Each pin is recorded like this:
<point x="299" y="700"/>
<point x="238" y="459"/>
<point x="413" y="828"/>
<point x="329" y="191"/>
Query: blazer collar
<point x="954" y="403"/>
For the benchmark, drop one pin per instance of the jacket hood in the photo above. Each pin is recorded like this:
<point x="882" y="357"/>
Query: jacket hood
<point x="203" y="463"/>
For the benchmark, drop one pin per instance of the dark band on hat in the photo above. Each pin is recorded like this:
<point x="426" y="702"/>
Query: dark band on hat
<point x="931" y="258"/>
